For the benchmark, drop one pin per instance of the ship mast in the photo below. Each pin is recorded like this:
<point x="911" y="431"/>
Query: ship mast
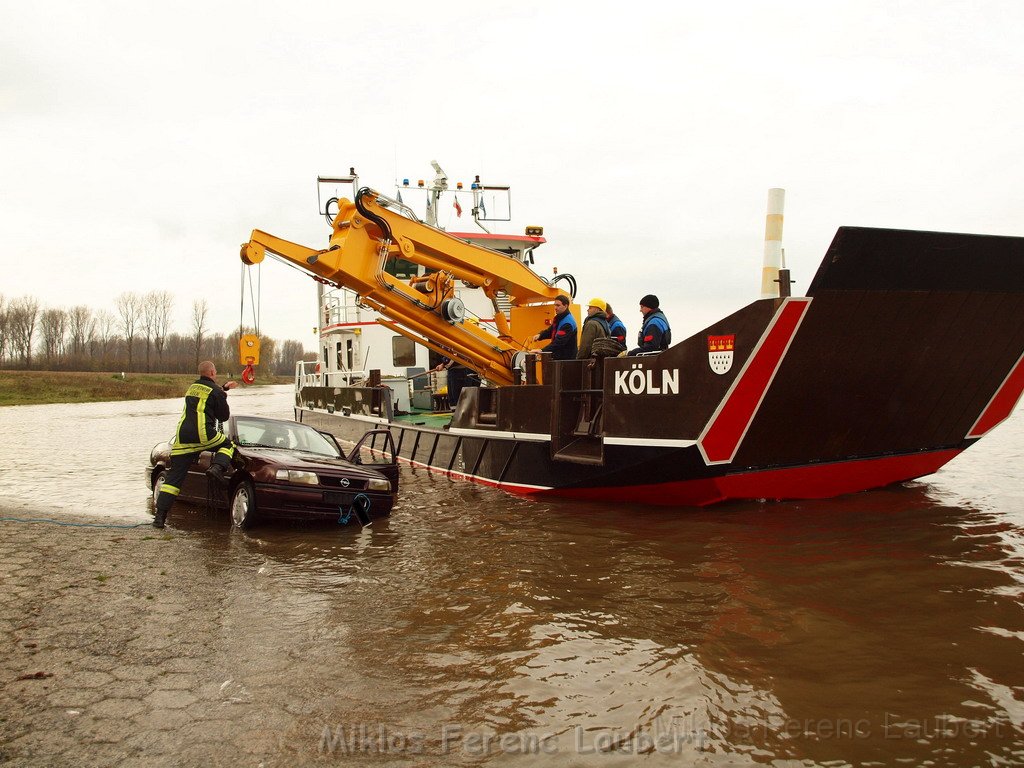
<point x="439" y="185"/>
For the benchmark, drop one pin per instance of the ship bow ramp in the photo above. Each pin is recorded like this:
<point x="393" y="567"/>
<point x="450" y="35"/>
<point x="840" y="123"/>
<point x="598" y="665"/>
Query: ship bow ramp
<point x="911" y="344"/>
<point x="907" y="348"/>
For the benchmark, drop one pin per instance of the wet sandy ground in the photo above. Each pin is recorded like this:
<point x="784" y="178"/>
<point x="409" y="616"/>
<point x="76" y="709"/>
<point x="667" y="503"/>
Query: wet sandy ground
<point x="125" y="649"/>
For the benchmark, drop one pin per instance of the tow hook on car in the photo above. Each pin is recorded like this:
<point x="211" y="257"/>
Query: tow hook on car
<point x="360" y="508"/>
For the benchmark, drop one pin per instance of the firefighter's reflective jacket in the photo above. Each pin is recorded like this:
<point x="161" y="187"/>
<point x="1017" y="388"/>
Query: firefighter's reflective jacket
<point x="206" y="403"/>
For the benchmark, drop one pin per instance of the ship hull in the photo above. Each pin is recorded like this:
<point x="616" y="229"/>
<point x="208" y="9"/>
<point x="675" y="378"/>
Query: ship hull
<point x="907" y="349"/>
<point x="657" y="476"/>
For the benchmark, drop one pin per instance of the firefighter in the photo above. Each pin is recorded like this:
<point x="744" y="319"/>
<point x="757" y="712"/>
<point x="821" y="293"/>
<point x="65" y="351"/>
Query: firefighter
<point x="206" y="403"/>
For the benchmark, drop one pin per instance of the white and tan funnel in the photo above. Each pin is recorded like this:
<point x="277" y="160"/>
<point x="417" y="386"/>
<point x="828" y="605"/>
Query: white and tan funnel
<point x="774" y="259"/>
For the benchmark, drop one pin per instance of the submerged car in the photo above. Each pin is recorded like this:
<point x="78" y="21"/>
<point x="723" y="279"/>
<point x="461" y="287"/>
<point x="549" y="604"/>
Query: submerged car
<point x="284" y="469"/>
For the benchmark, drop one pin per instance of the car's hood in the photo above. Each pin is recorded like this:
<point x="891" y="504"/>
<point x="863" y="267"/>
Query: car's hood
<point x="299" y="459"/>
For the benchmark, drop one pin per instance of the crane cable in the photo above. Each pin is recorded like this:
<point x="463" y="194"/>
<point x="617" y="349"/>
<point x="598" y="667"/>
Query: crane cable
<point x="249" y="343"/>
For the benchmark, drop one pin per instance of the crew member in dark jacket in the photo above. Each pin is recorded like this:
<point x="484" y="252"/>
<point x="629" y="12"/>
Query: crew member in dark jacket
<point x="458" y="377"/>
<point x="206" y="403"/>
<point x="616" y="328"/>
<point x="655" y="335"/>
<point x="562" y="332"/>
<point x="595" y="326"/>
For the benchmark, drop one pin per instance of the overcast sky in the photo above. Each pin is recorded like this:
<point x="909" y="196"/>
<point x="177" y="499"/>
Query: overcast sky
<point x="141" y="142"/>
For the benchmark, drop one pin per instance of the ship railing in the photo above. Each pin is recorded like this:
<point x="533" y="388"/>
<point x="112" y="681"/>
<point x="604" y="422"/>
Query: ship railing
<point x="339" y="311"/>
<point x="343" y="378"/>
<point x="339" y="306"/>
<point x="310" y="374"/>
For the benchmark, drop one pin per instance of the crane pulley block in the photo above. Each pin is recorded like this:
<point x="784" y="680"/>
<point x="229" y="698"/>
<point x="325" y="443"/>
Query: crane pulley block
<point x="249" y="355"/>
<point x="249" y="349"/>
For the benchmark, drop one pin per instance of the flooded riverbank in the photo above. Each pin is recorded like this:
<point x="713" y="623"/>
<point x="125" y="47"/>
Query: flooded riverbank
<point x="476" y="627"/>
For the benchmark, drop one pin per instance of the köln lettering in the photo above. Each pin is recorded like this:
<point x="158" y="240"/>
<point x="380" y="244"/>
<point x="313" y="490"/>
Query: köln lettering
<point x="640" y="381"/>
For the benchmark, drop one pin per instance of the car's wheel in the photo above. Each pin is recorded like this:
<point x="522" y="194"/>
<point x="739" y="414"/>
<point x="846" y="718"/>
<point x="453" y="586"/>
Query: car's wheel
<point x="158" y="484"/>
<point x="243" y="504"/>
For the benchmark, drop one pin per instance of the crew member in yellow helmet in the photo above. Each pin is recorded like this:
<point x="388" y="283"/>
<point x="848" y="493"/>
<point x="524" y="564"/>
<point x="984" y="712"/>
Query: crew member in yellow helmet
<point x="595" y="326"/>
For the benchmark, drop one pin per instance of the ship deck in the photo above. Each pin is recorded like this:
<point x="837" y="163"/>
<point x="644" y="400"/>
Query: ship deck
<point x="425" y="418"/>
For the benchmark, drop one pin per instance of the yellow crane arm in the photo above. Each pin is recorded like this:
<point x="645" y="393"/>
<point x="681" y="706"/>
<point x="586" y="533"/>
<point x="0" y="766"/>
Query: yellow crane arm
<point x="371" y="231"/>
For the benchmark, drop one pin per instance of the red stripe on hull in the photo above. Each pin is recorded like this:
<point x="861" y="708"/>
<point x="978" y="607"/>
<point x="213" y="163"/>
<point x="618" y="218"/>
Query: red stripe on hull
<point x="819" y="481"/>
<point x="1002" y="403"/>
<point x="722" y="437"/>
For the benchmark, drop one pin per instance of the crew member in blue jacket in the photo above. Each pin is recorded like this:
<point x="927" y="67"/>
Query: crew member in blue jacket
<point x="616" y="328"/>
<point x="562" y="332"/>
<point x="655" y="335"/>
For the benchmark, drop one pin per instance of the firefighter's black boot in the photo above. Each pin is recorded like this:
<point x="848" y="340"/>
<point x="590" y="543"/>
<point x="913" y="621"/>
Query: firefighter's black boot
<point x="216" y="473"/>
<point x="159" y="518"/>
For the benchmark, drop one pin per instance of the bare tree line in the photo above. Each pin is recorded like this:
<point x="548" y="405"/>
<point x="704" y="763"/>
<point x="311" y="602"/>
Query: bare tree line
<point x="137" y="336"/>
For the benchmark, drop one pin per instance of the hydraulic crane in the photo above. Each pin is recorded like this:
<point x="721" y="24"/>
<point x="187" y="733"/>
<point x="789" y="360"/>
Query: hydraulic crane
<point x="373" y="229"/>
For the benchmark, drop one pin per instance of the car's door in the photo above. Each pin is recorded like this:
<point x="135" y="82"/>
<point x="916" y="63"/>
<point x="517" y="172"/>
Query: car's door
<point x="195" y="484"/>
<point x="376" y="450"/>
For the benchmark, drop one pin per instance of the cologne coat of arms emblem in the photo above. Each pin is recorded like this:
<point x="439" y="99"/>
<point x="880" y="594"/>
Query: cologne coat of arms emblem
<point x="720" y="353"/>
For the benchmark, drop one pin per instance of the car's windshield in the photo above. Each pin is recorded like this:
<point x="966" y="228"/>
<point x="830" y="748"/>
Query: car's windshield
<point x="265" y="433"/>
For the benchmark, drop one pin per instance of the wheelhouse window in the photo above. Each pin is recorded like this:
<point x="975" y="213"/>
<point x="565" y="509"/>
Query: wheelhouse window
<point x="403" y="352"/>
<point x="401" y="268"/>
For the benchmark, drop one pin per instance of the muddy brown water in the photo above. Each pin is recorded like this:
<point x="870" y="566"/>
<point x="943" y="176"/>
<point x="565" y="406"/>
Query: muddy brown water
<point x="876" y="629"/>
